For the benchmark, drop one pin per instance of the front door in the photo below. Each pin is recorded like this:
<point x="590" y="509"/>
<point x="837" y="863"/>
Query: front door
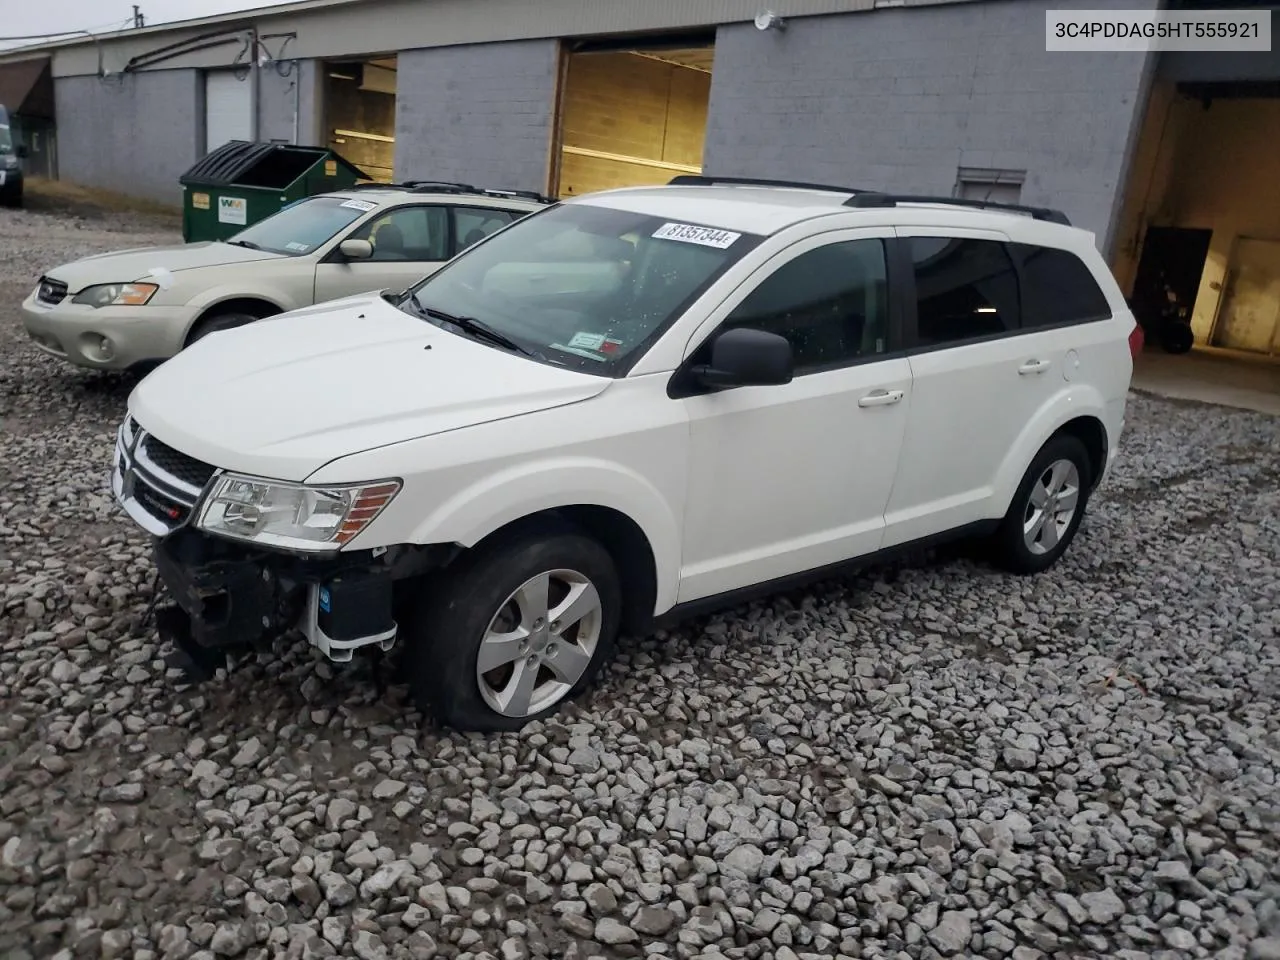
<point x="409" y="242"/>
<point x="786" y="479"/>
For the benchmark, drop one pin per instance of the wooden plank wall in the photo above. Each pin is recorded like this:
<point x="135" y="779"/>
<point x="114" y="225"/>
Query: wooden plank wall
<point x="365" y="111"/>
<point x="628" y="106"/>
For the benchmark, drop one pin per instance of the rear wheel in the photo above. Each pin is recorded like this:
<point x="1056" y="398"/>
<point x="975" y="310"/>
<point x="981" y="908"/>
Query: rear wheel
<point x="1046" y="509"/>
<point x="514" y="632"/>
<point x="220" y="321"/>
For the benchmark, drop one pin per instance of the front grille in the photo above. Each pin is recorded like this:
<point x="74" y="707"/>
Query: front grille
<point x="187" y="469"/>
<point x="51" y="291"/>
<point x="159" y="486"/>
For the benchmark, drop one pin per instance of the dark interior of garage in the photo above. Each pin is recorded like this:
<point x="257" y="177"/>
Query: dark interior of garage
<point x="632" y="112"/>
<point x="360" y="113"/>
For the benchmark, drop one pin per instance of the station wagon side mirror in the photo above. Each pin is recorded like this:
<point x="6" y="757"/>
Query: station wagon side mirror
<point x="356" y="249"/>
<point x="743" y="357"/>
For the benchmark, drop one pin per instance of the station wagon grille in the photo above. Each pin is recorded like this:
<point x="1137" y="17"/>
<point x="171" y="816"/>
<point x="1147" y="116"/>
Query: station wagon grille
<point x="51" y="291"/>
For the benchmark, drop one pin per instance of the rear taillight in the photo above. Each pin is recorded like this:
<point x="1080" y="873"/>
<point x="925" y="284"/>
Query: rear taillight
<point x="1136" y="341"/>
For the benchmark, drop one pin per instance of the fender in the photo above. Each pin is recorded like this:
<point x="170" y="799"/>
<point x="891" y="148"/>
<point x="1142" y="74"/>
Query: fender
<point x="224" y="292"/>
<point x="509" y="495"/>
<point x="1076" y="400"/>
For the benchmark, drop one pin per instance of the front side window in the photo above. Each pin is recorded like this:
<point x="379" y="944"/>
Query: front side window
<point x="831" y="303"/>
<point x="581" y="285"/>
<point x="301" y="227"/>
<point x="966" y="289"/>
<point x="408" y="233"/>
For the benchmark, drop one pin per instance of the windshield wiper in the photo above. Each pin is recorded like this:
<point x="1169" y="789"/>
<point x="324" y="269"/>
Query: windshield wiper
<point x="477" y="328"/>
<point x="247" y="244"/>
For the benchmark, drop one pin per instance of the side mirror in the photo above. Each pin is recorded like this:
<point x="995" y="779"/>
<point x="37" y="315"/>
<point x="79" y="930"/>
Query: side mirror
<point x="743" y="357"/>
<point x="356" y="249"/>
<point x="22" y="152"/>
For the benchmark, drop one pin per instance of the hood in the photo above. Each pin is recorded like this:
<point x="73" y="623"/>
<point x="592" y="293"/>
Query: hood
<point x="282" y="397"/>
<point x="127" y="266"/>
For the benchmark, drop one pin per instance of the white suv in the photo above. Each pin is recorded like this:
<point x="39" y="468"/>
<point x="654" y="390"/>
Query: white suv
<point x="629" y="406"/>
<point x="136" y="308"/>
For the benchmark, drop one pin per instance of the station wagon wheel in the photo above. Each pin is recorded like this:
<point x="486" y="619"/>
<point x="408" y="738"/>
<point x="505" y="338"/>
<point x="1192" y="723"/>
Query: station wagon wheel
<point x="1046" y="509"/>
<point x="513" y="631"/>
<point x="220" y="321"/>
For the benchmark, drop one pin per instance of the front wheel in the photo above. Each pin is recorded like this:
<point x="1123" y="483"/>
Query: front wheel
<point x="221" y="321"/>
<point x="514" y="631"/>
<point x="1046" y="509"/>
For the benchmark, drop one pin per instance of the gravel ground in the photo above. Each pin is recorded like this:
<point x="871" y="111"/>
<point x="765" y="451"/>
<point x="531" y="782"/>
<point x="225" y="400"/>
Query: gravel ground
<point x="930" y="761"/>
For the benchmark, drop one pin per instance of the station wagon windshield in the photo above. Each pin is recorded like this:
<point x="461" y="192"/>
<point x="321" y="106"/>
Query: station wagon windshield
<point x="579" y="285"/>
<point x="299" y="229"/>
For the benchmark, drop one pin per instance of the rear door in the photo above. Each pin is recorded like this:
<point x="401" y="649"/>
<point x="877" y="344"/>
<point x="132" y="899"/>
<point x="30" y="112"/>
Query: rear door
<point x="975" y="379"/>
<point x="409" y="242"/>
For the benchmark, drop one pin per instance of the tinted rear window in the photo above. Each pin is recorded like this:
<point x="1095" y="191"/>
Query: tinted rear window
<point x="1057" y="288"/>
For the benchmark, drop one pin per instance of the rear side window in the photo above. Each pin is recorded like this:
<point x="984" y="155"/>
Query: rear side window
<point x="1057" y="288"/>
<point x="965" y="289"/>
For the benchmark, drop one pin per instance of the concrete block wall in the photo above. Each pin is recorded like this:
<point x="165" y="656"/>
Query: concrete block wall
<point x="135" y="135"/>
<point x="479" y="113"/>
<point x="901" y="98"/>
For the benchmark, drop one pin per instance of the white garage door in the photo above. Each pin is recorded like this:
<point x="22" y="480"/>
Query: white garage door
<point x="227" y="108"/>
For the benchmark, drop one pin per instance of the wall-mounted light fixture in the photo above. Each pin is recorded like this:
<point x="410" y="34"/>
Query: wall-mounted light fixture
<point x="768" y="20"/>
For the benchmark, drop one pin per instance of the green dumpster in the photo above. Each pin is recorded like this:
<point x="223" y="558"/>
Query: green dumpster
<point x="242" y="182"/>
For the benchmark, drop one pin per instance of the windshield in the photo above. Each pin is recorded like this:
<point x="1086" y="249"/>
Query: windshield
<point x="301" y="227"/>
<point x="583" y="286"/>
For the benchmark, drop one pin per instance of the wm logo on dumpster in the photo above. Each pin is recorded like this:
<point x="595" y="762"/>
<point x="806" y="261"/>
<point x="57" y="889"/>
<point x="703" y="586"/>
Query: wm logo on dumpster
<point x="233" y="210"/>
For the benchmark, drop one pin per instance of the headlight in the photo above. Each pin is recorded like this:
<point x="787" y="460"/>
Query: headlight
<point x="292" y="516"/>
<point x="116" y="294"/>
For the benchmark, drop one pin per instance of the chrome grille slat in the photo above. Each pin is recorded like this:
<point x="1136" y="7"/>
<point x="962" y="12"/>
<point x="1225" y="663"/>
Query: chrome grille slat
<point x="154" y="482"/>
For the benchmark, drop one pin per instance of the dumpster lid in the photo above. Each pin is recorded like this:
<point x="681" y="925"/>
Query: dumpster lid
<point x="228" y="164"/>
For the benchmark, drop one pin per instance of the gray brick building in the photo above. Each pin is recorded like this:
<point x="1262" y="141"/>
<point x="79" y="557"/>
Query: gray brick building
<point x="951" y="97"/>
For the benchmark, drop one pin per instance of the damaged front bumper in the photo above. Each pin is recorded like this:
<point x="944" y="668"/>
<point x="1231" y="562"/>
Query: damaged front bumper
<point x="230" y="596"/>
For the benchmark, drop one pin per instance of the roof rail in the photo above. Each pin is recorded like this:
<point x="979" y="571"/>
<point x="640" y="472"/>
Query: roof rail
<point x="873" y="199"/>
<point x="448" y="186"/>
<point x="696" y="180"/>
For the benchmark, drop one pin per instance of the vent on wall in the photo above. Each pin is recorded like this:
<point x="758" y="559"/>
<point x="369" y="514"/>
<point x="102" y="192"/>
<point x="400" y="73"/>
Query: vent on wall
<point x="997" y="186"/>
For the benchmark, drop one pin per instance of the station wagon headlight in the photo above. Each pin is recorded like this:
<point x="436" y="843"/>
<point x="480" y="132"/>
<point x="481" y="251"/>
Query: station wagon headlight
<point x="116" y="294"/>
<point x="292" y="516"/>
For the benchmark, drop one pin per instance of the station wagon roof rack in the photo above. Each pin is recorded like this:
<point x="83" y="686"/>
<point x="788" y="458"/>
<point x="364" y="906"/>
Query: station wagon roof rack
<point x="873" y="199"/>
<point x="448" y="186"/>
<point x="697" y="180"/>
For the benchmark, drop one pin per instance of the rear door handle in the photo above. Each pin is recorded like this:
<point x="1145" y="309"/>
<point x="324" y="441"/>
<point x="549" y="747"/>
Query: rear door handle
<point x="881" y="398"/>
<point x="1034" y="366"/>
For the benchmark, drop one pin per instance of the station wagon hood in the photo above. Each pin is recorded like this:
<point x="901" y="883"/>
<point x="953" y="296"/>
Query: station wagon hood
<point x="282" y="397"/>
<point x="140" y="263"/>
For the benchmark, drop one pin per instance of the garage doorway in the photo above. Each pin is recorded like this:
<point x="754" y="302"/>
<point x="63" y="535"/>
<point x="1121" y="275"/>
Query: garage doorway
<point x="360" y="113"/>
<point x="1202" y="207"/>
<point x="631" y="113"/>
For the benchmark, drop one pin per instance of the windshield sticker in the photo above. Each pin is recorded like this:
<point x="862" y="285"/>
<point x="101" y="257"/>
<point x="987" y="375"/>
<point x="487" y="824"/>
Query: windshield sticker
<point x="579" y="352"/>
<point x="362" y="205"/>
<point x="591" y="341"/>
<point x="163" y="278"/>
<point x="296" y="247"/>
<point x="703" y="236"/>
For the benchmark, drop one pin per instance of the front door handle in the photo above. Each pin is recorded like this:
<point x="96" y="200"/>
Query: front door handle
<point x="881" y="398"/>
<point x="1034" y="366"/>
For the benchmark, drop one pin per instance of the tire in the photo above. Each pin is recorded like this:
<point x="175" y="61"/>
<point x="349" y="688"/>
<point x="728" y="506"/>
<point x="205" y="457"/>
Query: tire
<point x="12" y="200"/>
<point x="221" y="321"/>
<point x="448" y="628"/>
<point x="1177" y="338"/>
<point x="1063" y="460"/>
